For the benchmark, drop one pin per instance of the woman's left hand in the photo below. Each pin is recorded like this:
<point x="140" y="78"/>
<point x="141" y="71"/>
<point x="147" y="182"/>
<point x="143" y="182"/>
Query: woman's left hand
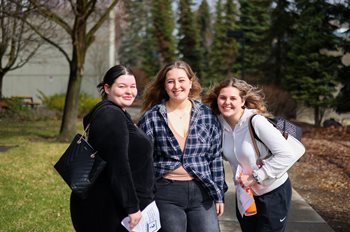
<point x="134" y="219"/>
<point x="219" y="209"/>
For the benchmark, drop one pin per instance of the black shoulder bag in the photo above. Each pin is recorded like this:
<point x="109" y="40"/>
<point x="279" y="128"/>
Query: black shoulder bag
<point x="80" y="164"/>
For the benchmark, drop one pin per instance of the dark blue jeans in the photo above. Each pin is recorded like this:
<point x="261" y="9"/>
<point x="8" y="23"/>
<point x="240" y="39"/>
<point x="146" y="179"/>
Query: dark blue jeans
<point x="272" y="211"/>
<point x="185" y="206"/>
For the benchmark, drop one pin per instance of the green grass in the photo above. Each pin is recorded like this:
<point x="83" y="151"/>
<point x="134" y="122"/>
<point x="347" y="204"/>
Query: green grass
<point x="33" y="197"/>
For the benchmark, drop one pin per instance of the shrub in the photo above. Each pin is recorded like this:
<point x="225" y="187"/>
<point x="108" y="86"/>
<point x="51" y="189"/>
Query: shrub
<point x="56" y="102"/>
<point x="280" y="101"/>
<point x="13" y="108"/>
<point x="86" y="102"/>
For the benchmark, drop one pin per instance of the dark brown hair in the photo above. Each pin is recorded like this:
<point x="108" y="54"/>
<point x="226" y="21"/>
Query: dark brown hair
<point x="111" y="75"/>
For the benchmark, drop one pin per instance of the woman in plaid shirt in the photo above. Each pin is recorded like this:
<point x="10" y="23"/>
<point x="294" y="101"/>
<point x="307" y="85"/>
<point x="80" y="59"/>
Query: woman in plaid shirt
<point x="187" y="151"/>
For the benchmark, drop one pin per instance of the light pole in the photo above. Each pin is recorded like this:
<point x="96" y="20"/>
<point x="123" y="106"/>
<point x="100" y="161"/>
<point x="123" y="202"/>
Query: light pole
<point x="239" y="35"/>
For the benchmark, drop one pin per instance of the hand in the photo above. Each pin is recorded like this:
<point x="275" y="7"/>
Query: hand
<point x="134" y="219"/>
<point x="246" y="180"/>
<point x="219" y="208"/>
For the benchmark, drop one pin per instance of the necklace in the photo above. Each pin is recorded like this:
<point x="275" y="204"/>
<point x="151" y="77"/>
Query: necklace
<point x="181" y="115"/>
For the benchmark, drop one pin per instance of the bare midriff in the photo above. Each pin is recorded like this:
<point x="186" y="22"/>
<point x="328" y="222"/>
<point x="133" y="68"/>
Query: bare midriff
<point x="179" y="173"/>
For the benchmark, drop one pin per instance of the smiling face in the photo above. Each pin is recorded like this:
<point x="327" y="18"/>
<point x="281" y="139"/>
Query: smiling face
<point x="230" y="103"/>
<point x="123" y="91"/>
<point x="177" y="85"/>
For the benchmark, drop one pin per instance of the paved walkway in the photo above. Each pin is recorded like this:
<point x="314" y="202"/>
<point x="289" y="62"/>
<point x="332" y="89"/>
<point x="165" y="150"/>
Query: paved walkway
<point x="302" y="218"/>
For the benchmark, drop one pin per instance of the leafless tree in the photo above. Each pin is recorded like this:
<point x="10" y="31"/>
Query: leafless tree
<point x="78" y="21"/>
<point x="18" y="42"/>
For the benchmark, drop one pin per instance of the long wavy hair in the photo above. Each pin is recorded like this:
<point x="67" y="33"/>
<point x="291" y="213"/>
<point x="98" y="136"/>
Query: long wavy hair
<point x="254" y="97"/>
<point x="155" y="91"/>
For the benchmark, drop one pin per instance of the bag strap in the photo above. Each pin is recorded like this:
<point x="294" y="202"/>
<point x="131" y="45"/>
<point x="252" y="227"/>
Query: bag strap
<point x="93" y="115"/>
<point x="259" y="161"/>
<point x="251" y="129"/>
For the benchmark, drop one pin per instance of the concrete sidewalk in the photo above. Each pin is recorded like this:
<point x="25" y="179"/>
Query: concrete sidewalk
<point x="302" y="218"/>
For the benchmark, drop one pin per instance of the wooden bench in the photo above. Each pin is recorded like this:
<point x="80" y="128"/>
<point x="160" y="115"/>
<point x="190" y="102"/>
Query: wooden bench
<point x="26" y="101"/>
<point x="3" y="104"/>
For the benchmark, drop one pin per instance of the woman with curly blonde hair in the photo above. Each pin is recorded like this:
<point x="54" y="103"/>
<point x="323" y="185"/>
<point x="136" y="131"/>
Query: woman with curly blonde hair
<point x="235" y="102"/>
<point x="253" y="97"/>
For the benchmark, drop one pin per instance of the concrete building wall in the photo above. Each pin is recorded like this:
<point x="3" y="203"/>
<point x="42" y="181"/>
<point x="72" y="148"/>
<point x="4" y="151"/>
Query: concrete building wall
<point x="48" y="70"/>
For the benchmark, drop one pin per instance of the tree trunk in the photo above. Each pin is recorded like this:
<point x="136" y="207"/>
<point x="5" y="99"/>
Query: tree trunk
<point x="70" y="113"/>
<point x="1" y="80"/>
<point x="317" y="117"/>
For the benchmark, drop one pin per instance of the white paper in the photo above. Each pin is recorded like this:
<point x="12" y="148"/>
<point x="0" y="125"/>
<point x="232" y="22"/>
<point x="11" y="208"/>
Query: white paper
<point x="244" y="200"/>
<point x="150" y="221"/>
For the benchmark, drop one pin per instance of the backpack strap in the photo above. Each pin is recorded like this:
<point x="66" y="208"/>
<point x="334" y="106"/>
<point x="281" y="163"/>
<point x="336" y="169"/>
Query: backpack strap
<point x="253" y="137"/>
<point x="252" y="133"/>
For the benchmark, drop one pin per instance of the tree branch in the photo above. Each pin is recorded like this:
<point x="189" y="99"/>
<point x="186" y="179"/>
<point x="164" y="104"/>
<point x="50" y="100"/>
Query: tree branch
<point x="44" y="11"/>
<point x="101" y="20"/>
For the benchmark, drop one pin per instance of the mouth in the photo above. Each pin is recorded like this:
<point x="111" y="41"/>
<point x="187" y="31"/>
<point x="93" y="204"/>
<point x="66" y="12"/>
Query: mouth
<point x="227" y="108"/>
<point x="176" y="93"/>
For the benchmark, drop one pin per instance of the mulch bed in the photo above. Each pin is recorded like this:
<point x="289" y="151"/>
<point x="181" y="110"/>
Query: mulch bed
<point x="322" y="175"/>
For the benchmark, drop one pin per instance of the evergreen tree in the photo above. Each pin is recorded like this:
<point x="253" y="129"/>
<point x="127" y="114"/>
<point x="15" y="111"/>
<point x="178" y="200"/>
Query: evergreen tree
<point x="224" y="48"/>
<point x="151" y="61"/>
<point x="281" y="31"/>
<point x="138" y="48"/>
<point x="230" y="46"/>
<point x="205" y="38"/>
<point x="255" y="21"/>
<point x="343" y="98"/>
<point x="216" y="58"/>
<point x="188" y="43"/>
<point x="133" y="33"/>
<point x="163" y="27"/>
<point x="312" y="72"/>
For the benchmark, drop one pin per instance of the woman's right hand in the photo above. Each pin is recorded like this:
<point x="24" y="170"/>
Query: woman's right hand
<point x="134" y="219"/>
<point x="246" y="180"/>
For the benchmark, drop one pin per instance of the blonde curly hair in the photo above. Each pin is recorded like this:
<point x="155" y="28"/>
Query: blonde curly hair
<point x="254" y="97"/>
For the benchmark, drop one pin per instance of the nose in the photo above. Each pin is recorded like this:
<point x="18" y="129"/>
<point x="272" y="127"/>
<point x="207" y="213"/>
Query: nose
<point x="128" y="90"/>
<point x="176" y="84"/>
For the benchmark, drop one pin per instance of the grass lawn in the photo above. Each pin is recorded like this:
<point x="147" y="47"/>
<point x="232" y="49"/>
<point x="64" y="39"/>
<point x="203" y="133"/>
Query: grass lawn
<point x="33" y="197"/>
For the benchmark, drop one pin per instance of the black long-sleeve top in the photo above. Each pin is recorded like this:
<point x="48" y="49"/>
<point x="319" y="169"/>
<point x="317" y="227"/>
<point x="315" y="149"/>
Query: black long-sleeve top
<point x="126" y="184"/>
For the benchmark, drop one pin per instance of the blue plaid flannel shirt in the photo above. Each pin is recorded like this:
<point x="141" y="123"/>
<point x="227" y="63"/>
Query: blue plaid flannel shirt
<point x="202" y="157"/>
